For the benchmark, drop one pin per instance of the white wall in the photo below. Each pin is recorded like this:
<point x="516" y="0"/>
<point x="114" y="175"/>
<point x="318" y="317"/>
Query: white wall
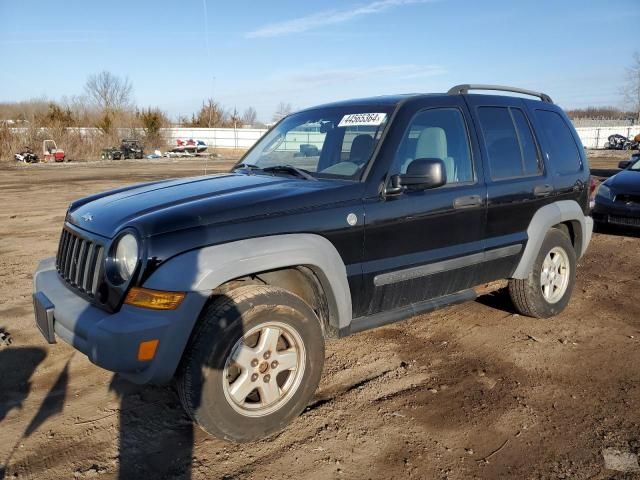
<point x="592" y="137"/>
<point x="244" y="138"/>
<point x="595" y="137"/>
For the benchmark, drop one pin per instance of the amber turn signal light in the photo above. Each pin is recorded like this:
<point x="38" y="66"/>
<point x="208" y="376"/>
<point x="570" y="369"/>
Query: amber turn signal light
<point x="147" y="350"/>
<point x="154" y="299"/>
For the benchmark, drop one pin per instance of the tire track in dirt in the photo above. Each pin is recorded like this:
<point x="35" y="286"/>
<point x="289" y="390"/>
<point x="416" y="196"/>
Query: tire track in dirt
<point x="430" y="397"/>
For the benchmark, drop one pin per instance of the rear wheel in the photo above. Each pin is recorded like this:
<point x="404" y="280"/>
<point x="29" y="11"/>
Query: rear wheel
<point x="547" y="290"/>
<point x="253" y="363"/>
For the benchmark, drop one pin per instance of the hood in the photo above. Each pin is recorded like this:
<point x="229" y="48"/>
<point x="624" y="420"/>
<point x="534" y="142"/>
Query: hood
<point x="160" y="207"/>
<point x="627" y="181"/>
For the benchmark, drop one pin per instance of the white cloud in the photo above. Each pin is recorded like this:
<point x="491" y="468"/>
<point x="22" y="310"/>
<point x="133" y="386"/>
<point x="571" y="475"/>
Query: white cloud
<point x="329" y="17"/>
<point x="342" y="75"/>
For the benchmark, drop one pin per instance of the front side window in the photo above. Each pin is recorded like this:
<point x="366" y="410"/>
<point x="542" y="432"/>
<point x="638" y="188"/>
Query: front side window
<point x="510" y="145"/>
<point x="438" y="133"/>
<point x="326" y="142"/>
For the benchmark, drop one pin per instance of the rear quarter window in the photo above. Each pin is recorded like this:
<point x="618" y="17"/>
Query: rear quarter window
<point x="563" y="153"/>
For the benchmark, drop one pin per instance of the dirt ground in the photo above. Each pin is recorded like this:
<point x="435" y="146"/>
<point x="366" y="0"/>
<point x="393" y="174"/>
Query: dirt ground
<point x="471" y="391"/>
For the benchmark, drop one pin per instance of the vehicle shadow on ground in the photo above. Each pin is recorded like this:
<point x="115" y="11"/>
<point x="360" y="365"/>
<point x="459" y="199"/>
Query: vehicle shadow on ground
<point x="500" y="300"/>
<point x="18" y="365"/>
<point x="155" y="435"/>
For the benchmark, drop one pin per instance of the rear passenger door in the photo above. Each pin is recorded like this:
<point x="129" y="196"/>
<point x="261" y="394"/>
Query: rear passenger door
<point x="562" y="150"/>
<point x="518" y="183"/>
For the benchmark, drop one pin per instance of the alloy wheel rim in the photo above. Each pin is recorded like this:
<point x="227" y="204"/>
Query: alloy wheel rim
<point x="554" y="278"/>
<point x="264" y="370"/>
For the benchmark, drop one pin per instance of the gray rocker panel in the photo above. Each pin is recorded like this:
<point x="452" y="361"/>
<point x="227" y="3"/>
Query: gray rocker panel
<point x="207" y="268"/>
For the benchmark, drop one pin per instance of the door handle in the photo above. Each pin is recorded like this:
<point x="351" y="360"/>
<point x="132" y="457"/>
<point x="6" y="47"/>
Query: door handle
<point x="542" y="190"/>
<point x="467" y="201"/>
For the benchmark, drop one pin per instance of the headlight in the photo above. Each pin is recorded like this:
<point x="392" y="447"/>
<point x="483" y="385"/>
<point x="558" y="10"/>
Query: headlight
<point x="604" y="192"/>
<point x="126" y="257"/>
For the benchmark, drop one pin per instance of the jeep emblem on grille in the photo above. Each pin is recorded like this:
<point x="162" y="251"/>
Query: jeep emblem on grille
<point x="87" y="217"/>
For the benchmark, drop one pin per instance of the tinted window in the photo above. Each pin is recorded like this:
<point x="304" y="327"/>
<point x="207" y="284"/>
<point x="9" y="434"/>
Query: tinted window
<point x="562" y="148"/>
<point x="510" y="145"/>
<point x="530" y="160"/>
<point x="438" y="133"/>
<point x="501" y="141"/>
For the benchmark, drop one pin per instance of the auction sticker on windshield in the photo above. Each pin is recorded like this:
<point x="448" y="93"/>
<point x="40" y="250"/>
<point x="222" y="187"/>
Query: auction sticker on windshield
<point x="360" y="119"/>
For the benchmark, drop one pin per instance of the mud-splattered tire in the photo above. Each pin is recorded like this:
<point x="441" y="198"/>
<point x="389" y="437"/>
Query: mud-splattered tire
<point x="252" y="364"/>
<point x="547" y="290"/>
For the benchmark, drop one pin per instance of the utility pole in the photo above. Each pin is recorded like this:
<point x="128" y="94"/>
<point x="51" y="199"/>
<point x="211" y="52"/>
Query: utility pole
<point x="213" y="79"/>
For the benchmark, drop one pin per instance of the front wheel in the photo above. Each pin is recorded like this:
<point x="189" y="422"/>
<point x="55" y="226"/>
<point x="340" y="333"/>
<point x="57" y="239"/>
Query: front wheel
<point x="253" y="363"/>
<point x="547" y="290"/>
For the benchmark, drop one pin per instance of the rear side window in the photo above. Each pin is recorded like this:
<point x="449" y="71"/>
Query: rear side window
<point x="510" y="144"/>
<point x="562" y="149"/>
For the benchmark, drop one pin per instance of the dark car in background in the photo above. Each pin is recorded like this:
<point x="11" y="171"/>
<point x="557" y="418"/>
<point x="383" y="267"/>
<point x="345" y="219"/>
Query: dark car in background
<point x="620" y="142"/>
<point x="629" y="163"/>
<point x="617" y="200"/>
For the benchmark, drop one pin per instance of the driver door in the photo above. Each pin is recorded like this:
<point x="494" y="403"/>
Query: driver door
<point x="421" y="245"/>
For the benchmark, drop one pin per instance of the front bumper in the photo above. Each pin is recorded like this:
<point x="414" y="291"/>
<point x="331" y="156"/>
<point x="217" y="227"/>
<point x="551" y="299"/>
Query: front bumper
<point x="616" y="213"/>
<point x="111" y="341"/>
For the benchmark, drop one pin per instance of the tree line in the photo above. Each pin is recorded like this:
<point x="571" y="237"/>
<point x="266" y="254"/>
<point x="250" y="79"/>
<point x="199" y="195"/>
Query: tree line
<point x="107" y="103"/>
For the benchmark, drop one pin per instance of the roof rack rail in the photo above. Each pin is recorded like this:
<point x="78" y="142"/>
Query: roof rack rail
<point x="464" y="88"/>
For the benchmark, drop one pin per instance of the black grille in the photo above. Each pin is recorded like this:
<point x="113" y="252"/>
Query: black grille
<point x="78" y="261"/>
<point x="634" y="222"/>
<point x="628" y="198"/>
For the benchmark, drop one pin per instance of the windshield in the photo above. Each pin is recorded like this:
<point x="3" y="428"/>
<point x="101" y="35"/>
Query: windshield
<point x="325" y="142"/>
<point x="635" y="166"/>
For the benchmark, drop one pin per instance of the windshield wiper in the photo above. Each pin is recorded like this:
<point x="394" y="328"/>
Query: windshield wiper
<point x="246" y="166"/>
<point x="300" y="172"/>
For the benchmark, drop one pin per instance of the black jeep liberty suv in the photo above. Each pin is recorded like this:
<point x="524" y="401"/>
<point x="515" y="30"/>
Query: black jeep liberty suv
<point x="229" y="284"/>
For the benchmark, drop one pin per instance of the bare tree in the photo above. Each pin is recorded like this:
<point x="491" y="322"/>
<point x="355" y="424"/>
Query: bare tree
<point x="282" y="111"/>
<point x="249" y="117"/>
<point x="631" y="89"/>
<point x="109" y="92"/>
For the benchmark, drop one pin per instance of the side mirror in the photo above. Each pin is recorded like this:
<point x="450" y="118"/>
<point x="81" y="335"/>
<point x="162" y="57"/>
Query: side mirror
<point x="424" y="173"/>
<point x="624" y="164"/>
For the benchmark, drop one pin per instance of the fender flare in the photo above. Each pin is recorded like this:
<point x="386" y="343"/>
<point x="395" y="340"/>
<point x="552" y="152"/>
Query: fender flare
<point x="545" y="218"/>
<point x="207" y="268"/>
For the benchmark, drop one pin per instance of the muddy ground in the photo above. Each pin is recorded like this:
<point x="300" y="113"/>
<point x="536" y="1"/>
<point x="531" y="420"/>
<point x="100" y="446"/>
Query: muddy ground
<point x="471" y="391"/>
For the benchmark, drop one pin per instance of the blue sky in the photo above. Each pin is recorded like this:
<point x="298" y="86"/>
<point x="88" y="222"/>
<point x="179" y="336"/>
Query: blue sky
<point x="258" y="53"/>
